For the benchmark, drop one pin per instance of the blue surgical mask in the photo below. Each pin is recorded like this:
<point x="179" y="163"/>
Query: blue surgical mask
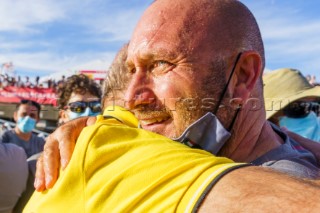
<point x="87" y="112"/>
<point x="26" y="124"/>
<point x="308" y="127"/>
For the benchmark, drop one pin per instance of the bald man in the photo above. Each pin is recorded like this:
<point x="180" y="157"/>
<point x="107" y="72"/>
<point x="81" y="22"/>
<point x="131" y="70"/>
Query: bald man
<point x="187" y="65"/>
<point x="210" y="61"/>
<point x="182" y="67"/>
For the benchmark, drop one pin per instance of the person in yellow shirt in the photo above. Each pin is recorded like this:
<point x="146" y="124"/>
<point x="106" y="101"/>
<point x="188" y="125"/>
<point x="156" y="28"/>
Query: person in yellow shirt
<point x="117" y="167"/>
<point x="113" y="170"/>
<point x="124" y="169"/>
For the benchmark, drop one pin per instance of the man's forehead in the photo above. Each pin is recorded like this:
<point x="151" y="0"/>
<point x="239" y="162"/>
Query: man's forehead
<point x="158" y="49"/>
<point x="26" y="107"/>
<point x="162" y="23"/>
<point x="159" y="22"/>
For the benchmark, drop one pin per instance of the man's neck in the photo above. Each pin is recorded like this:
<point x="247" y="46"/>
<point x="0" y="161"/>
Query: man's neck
<point x="24" y="136"/>
<point x="253" y="138"/>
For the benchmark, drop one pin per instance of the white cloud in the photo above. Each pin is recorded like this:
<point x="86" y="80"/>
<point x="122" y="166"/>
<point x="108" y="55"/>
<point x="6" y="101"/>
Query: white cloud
<point x="290" y="34"/>
<point x="103" y="21"/>
<point x="7" y="45"/>
<point x="48" y="62"/>
<point x="293" y="44"/>
<point x="119" y="26"/>
<point x="21" y="15"/>
<point x="113" y="24"/>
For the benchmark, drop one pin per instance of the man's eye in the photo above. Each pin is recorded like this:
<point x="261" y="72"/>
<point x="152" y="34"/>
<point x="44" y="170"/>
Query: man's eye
<point x="132" y="70"/>
<point x="160" y="63"/>
<point x="161" y="67"/>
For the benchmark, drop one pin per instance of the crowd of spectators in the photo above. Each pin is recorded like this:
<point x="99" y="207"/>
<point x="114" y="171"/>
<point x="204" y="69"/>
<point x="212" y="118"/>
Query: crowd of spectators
<point x="312" y="80"/>
<point x="21" y="82"/>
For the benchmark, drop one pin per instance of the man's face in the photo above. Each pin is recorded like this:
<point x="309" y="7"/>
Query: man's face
<point x="77" y="97"/>
<point x="172" y="82"/>
<point x="26" y="110"/>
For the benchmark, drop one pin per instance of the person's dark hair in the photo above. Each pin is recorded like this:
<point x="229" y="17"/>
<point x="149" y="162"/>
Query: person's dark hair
<point x="29" y="102"/>
<point x="78" y="84"/>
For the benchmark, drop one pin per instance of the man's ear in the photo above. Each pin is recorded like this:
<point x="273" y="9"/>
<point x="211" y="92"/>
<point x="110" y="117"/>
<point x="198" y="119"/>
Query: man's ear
<point x="248" y="71"/>
<point x="38" y="119"/>
<point x="15" y="116"/>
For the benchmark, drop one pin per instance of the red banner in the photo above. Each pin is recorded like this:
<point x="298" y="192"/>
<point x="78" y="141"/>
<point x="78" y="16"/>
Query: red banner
<point x="12" y="94"/>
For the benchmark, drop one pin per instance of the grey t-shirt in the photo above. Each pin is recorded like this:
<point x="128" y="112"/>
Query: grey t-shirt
<point x="31" y="147"/>
<point x="290" y="158"/>
<point x="13" y="175"/>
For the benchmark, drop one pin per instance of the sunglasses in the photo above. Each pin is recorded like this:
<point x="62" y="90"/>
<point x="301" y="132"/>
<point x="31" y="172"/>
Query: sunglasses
<point x="301" y="109"/>
<point x="80" y="106"/>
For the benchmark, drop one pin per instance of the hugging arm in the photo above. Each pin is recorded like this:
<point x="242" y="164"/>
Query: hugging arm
<point x="57" y="151"/>
<point x="308" y="144"/>
<point x="260" y="189"/>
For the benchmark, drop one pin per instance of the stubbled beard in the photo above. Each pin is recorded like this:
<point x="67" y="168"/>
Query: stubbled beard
<point x="183" y="115"/>
<point x="204" y="100"/>
<point x="186" y="113"/>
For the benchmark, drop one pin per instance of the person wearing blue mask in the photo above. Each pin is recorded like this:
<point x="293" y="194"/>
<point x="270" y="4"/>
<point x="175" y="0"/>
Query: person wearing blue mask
<point x="26" y="116"/>
<point x="301" y="117"/>
<point x="292" y="103"/>
<point x="79" y="96"/>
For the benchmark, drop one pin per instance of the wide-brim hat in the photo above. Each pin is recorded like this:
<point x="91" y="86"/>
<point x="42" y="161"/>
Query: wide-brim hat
<point x="284" y="86"/>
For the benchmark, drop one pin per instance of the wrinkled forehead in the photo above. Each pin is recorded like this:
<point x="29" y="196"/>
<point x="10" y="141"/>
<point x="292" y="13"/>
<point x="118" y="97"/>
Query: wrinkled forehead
<point x="153" y="34"/>
<point x="175" y="27"/>
<point x="161" y="25"/>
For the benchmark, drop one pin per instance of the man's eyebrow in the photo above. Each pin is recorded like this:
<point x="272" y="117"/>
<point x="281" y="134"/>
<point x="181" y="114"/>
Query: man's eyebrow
<point x="156" y="54"/>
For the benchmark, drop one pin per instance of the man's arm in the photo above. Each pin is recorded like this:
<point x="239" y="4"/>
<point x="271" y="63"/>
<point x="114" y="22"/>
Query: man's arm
<point x="259" y="189"/>
<point x="58" y="150"/>
<point x="308" y="144"/>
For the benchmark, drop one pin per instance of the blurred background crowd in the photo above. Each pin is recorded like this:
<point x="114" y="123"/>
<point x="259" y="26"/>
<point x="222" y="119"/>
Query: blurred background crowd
<point x="36" y="82"/>
<point x="284" y="88"/>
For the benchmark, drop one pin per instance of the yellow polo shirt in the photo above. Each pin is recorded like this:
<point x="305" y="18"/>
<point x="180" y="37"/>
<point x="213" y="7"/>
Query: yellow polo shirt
<point x="117" y="167"/>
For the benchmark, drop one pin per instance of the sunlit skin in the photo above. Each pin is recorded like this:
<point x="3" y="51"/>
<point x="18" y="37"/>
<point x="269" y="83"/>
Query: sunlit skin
<point x="166" y="70"/>
<point x="173" y="60"/>
<point x="23" y="111"/>
<point x="86" y="97"/>
<point x="170" y="60"/>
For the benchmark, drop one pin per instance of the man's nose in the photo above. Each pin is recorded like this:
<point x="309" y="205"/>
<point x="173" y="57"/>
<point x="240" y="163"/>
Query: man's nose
<point x="140" y="91"/>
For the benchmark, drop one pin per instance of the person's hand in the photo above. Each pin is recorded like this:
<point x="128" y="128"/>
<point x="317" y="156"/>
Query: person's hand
<point x="58" y="149"/>
<point x="308" y="144"/>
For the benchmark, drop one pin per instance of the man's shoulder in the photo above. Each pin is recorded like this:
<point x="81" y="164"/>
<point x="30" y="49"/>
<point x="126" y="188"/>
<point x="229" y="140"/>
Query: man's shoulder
<point x="12" y="151"/>
<point x="14" y="174"/>
<point x="295" y="166"/>
<point x="7" y="135"/>
<point x="290" y="158"/>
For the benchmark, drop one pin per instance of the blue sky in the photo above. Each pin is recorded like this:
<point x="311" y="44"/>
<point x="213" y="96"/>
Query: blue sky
<point x="41" y="37"/>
